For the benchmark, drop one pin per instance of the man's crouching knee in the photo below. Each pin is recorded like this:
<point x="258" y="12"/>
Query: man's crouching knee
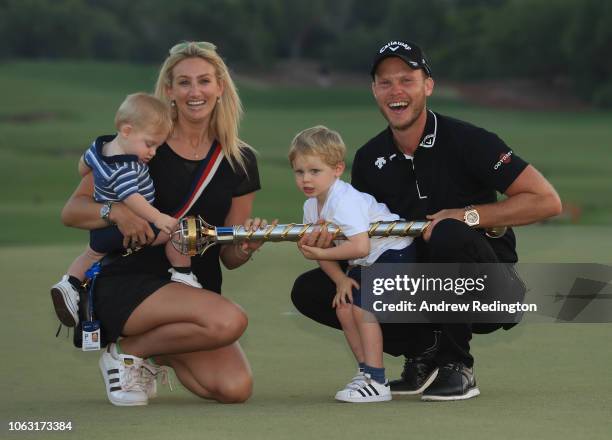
<point x="448" y="236"/>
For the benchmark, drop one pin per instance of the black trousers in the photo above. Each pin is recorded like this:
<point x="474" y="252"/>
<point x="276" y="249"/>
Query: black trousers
<point x="451" y="241"/>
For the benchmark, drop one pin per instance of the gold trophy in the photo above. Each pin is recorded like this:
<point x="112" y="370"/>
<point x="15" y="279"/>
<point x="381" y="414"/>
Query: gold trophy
<point x="193" y="236"/>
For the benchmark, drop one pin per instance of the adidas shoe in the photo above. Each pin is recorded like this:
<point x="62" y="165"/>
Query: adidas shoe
<point x="364" y="390"/>
<point x="186" y="278"/>
<point x="353" y="384"/>
<point x="150" y="374"/>
<point x="66" y="302"/>
<point x="122" y="378"/>
<point x="455" y="381"/>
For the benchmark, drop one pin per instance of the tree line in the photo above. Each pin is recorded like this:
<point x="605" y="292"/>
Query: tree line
<point x="548" y="40"/>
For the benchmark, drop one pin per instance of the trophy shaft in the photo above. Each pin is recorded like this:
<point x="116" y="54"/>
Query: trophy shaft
<point x="276" y="233"/>
<point x="294" y="232"/>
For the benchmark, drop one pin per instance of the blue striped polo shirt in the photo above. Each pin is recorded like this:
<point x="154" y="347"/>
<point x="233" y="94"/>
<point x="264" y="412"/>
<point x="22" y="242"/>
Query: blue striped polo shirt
<point x="117" y="177"/>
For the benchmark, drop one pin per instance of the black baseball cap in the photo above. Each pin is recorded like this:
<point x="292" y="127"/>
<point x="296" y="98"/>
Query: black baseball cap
<point x="408" y="52"/>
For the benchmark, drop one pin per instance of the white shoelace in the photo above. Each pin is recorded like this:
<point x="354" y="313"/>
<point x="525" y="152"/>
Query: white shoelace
<point x="131" y="378"/>
<point x="150" y="373"/>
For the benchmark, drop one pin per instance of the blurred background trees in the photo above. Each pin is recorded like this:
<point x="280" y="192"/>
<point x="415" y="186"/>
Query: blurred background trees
<point x="555" y="41"/>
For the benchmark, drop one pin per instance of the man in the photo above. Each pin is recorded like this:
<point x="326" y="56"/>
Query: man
<point x="426" y="165"/>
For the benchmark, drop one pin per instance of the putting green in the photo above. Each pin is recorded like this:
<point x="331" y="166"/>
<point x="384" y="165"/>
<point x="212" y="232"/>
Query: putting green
<point x="537" y="381"/>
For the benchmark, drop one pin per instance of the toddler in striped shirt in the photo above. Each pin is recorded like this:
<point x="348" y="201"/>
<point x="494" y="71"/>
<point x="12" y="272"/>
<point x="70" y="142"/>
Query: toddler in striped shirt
<point x="120" y="172"/>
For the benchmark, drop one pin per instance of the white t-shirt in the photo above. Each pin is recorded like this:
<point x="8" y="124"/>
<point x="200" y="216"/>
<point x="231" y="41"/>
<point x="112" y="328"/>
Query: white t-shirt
<point x="353" y="211"/>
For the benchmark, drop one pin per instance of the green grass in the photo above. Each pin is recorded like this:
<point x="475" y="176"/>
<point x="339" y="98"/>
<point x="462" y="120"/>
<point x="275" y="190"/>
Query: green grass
<point x="541" y="381"/>
<point x="50" y="112"/>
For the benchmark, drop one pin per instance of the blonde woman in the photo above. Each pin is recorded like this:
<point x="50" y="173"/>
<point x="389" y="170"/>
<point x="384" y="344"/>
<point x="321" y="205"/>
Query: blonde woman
<point x="149" y="321"/>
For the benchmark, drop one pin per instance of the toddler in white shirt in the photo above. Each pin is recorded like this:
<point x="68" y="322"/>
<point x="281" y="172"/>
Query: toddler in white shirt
<point x="317" y="159"/>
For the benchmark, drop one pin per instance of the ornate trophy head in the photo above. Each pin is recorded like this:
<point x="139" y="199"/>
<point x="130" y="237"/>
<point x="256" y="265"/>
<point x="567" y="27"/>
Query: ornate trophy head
<point x="193" y="236"/>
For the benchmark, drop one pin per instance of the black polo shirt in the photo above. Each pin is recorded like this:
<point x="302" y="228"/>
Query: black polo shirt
<point x="456" y="164"/>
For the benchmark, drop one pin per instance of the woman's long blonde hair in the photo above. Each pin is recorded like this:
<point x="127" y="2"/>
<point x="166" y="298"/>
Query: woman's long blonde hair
<point x="226" y="115"/>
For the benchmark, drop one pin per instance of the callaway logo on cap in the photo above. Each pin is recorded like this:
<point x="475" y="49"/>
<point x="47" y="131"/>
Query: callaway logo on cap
<point x="409" y="52"/>
<point x="394" y="45"/>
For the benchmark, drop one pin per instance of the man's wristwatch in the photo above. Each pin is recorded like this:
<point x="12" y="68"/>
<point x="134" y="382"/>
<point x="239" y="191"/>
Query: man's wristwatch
<point x="105" y="212"/>
<point x="471" y="216"/>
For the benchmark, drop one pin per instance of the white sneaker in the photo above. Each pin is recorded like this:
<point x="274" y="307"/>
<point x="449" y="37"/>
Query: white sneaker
<point x="66" y="302"/>
<point x="150" y="373"/>
<point x="354" y="383"/>
<point x="122" y="375"/>
<point x="364" y="390"/>
<point x="186" y="278"/>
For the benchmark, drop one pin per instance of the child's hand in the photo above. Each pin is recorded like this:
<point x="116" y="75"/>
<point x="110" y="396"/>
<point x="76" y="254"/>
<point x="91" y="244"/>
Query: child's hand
<point x="166" y="223"/>
<point x="319" y="237"/>
<point x="344" y="291"/>
<point x="310" y="252"/>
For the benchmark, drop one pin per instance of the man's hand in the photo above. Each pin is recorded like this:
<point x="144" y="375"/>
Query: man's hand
<point x="457" y="214"/>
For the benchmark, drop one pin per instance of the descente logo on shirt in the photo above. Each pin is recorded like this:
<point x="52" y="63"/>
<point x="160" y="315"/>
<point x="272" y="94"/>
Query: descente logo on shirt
<point x="503" y="158"/>
<point x="380" y="162"/>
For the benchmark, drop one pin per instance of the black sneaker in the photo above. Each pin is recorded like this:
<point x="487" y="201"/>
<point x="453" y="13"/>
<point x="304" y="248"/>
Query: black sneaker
<point x="455" y="381"/>
<point x="419" y="372"/>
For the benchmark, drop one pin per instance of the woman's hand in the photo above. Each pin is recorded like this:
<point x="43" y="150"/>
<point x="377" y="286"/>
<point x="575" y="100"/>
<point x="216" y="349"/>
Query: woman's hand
<point x="253" y="224"/>
<point x="235" y="255"/>
<point x="136" y="231"/>
<point x="81" y="211"/>
<point x="344" y="292"/>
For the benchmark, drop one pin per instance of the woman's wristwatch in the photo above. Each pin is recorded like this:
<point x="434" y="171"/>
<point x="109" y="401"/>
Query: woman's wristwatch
<point x="105" y="211"/>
